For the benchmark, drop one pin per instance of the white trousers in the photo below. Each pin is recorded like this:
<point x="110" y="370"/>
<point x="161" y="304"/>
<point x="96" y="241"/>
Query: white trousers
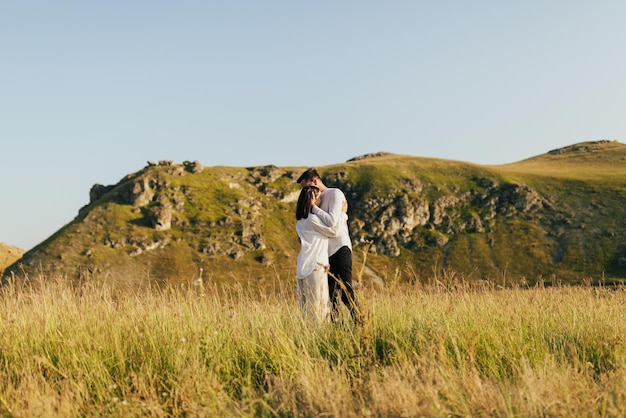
<point x="312" y="295"/>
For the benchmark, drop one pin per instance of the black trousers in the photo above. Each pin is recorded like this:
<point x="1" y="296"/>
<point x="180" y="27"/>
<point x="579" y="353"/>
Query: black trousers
<point x="340" y="282"/>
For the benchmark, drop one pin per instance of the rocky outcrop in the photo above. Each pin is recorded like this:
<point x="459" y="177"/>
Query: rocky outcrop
<point x="265" y="178"/>
<point x="151" y="193"/>
<point x="97" y="191"/>
<point x="160" y="217"/>
<point x="391" y="223"/>
<point x="370" y="155"/>
<point x="265" y="174"/>
<point x="582" y="147"/>
<point x="138" y="192"/>
<point x="143" y="247"/>
<point x="521" y="197"/>
<point x="193" y="167"/>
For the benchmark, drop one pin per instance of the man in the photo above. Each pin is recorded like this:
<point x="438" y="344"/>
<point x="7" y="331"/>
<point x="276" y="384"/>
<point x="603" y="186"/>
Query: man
<point x="332" y="203"/>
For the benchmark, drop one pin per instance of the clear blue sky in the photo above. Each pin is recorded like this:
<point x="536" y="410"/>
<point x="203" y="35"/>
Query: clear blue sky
<point x="91" y="90"/>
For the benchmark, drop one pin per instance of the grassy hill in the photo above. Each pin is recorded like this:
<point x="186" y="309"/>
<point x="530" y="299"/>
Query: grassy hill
<point x="9" y="255"/>
<point x="554" y="218"/>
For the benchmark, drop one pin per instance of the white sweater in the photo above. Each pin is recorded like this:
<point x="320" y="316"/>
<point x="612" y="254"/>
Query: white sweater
<point x="331" y="202"/>
<point x="314" y="236"/>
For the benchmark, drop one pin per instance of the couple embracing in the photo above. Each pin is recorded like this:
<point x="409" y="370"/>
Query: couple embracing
<point x="324" y="266"/>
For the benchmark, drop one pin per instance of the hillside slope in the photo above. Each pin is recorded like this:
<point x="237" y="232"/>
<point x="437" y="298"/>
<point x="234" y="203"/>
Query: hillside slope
<point x="9" y="255"/>
<point x="555" y="218"/>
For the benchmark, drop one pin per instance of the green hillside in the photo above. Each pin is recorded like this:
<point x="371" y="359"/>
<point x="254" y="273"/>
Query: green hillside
<point x="9" y="255"/>
<point x="554" y="218"/>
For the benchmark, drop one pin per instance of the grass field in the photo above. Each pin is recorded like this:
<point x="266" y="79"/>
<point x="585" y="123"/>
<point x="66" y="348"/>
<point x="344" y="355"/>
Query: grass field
<point x="433" y="351"/>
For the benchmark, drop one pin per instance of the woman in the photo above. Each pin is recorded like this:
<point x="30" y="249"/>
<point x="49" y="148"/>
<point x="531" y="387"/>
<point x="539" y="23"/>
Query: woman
<point x="312" y="264"/>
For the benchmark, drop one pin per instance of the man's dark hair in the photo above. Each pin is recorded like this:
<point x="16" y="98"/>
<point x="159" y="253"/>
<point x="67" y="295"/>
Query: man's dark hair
<point x="308" y="175"/>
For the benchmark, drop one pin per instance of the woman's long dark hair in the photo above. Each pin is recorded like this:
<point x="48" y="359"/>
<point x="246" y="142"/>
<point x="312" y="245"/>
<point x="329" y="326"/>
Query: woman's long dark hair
<point x="308" y="195"/>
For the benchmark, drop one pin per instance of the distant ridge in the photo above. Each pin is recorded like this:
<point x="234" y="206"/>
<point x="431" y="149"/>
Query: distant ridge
<point x="581" y="147"/>
<point x="370" y="155"/>
<point x="592" y="160"/>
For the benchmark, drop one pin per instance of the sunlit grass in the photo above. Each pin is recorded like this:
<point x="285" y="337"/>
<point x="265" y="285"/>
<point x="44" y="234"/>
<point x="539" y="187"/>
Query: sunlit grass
<point x="441" y="350"/>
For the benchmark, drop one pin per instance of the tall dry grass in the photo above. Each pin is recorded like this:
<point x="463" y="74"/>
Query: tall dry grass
<point x="422" y="351"/>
